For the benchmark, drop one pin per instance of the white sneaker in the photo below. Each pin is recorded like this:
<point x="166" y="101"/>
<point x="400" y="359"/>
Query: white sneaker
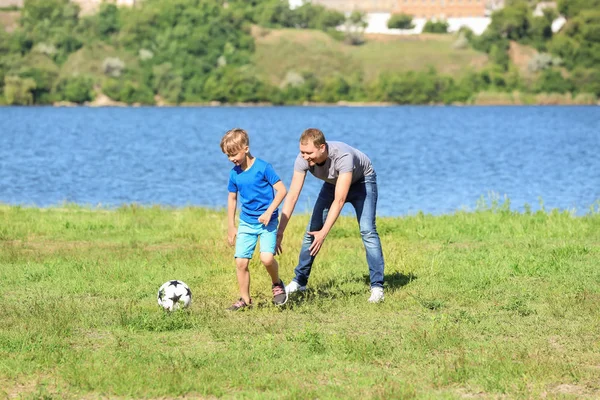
<point x="376" y="295"/>
<point x="294" y="287"/>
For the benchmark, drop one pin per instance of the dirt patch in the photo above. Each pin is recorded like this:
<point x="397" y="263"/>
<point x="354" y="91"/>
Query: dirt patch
<point x="272" y="36"/>
<point x="521" y="55"/>
<point x="379" y="37"/>
<point x="577" y="391"/>
<point x="9" y="20"/>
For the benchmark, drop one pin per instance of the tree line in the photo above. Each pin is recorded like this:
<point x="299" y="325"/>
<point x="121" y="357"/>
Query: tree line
<point x="197" y="51"/>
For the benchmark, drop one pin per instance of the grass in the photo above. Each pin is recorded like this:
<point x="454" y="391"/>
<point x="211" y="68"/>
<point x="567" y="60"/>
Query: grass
<point x="281" y="50"/>
<point x="486" y="304"/>
<point x="89" y="61"/>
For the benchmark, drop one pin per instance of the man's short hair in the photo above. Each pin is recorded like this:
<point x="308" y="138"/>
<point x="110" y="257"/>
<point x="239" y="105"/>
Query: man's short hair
<point x="313" y="135"/>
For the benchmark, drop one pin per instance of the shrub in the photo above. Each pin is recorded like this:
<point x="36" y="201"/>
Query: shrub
<point x="400" y="21"/>
<point x="145" y="54"/>
<point x="461" y="42"/>
<point x="543" y="61"/>
<point x="436" y="27"/>
<point x="113" y="66"/>
<point x="45" y="48"/>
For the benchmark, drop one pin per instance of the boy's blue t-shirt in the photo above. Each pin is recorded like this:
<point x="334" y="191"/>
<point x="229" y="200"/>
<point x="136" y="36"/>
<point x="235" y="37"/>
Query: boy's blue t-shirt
<point x="255" y="189"/>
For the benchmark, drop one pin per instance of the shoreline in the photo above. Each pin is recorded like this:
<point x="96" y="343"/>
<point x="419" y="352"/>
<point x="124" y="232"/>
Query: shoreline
<point x="480" y="99"/>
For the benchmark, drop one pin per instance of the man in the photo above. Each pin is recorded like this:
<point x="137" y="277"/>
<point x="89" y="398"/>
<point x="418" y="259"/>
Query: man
<point x="349" y="178"/>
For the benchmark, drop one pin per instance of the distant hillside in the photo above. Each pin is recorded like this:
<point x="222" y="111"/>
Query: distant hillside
<point x="279" y="51"/>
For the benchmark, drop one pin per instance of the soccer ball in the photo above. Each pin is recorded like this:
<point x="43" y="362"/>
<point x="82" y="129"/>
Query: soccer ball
<point x="173" y="295"/>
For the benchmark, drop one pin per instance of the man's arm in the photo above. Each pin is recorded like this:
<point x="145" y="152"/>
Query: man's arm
<point x="289" y="205"/>
<point x="342" y="186"/>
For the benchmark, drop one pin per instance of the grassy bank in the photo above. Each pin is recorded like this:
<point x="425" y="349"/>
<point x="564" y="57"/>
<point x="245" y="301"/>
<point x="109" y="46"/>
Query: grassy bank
<point x="485" y="304"/>
<point x="279" y="51"/>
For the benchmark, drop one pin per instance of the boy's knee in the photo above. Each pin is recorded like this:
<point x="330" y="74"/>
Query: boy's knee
<point x="241" y="264"/>
<point x="267" y="258"/>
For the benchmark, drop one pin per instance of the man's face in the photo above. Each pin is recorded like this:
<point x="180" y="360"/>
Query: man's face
<point x="313" y="154"/>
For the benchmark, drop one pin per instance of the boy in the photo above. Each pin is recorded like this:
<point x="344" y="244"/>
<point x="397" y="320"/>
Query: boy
<point x="261" y="192"/>
<point x="348" y="177"/>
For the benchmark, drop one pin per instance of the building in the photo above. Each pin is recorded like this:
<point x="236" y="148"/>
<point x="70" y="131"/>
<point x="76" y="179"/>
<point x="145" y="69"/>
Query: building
<point x="474" y="14"/>
<point x="429" y="9"/>
<point x="90" y="6"/>
<point x="11" y="3"/>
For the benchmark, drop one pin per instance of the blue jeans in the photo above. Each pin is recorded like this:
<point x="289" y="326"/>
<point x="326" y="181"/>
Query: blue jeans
<point x="363" y="197"/>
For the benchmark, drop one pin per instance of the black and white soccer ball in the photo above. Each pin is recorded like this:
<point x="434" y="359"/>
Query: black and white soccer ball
<point x="174" y="295"/>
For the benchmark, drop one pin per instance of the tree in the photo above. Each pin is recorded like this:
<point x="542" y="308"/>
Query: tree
<point x="76" y="89"/>
<point x="18" y="91"/>
<point x="587" y="80"/>
<point x="552" y="81"/>
<point x="512" y="22"/>
<point x="108" y="20"/>
<point x="571" y="8"/>
<point x="355" y="28"/>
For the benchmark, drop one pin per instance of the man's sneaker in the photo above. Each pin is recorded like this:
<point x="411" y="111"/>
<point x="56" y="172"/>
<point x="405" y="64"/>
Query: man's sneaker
<point x="240" y="305"/>
<point x="376" y="294"/>
<point x="279" y="294"/>
<point x="294" y="287"/>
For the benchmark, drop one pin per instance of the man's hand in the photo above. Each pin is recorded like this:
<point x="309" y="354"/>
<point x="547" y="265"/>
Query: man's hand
<point x="317" y="243"/>
<point x="278" y="248"/>
<point x="231" y="234"/>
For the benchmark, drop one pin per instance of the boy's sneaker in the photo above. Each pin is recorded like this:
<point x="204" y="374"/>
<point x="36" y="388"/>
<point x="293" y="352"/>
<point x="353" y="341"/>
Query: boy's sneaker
<point x="279" y="294"/>
<point x="240" y="305"/>
<point x="294" y="287"/>
<point x="376" y="295"/>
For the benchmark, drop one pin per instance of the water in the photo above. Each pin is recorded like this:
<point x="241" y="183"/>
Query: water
<point x="431" y="159"/>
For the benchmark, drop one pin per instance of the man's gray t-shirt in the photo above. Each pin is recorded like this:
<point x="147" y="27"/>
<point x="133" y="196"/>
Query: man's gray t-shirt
<point x="341" y="158"/>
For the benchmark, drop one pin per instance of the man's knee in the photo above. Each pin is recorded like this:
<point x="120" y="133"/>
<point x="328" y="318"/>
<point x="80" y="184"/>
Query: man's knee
<point x="369" y="232"/>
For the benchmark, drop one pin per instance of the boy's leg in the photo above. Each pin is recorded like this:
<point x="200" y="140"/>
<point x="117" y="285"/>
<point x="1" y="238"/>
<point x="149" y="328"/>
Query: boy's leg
<point x="271" y="266"/>
<point x="268" y="241"/>
<point x="364" y="199"/>
<point x="244" y="248"/>
<point x="243" y="277"/>
<point x="317" y="220"/>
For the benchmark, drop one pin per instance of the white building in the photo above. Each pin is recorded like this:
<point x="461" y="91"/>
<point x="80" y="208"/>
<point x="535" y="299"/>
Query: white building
<point x="378" y="24"/>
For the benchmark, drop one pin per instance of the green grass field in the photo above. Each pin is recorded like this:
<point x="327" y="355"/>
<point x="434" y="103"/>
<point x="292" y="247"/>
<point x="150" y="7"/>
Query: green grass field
<point x="281" y="50"/>
<point x="483" y="304"/>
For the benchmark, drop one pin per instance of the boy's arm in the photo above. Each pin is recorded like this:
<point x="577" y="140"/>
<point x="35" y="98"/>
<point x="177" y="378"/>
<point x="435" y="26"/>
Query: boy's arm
<point x="231" y="208"/>
<point x="289" y="205"/>
<point x="342" y="186"/>
<point x="280" y="192"/>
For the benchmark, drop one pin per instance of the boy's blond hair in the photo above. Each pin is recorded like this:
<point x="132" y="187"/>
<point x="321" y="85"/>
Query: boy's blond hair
<point x="312" y="135"/>
<point x="234" y="140"/>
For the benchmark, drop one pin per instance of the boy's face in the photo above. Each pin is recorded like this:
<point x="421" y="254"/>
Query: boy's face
<point x="313" y="154"/>
<point x="238" y="157"/>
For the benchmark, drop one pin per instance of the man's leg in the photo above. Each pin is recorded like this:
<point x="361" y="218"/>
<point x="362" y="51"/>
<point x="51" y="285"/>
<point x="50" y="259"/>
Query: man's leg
<point x="364" y="199"/>
<point x="317" y="220"/>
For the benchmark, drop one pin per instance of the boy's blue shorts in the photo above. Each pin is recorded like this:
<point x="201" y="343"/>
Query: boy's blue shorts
<point x="248" y="234"/>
